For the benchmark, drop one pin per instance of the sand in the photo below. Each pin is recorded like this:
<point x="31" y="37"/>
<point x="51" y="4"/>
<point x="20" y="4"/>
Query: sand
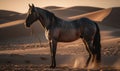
<point x="22" y="51"/>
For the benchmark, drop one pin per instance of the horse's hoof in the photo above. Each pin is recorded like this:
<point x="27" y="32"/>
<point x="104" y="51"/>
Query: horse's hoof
<point x="52" y="67"/>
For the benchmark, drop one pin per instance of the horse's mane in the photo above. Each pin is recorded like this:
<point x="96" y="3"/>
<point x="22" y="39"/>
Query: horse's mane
<point x="48" y="16"/>
<point x="48" y="13"/>
<point x="54" y="20"/>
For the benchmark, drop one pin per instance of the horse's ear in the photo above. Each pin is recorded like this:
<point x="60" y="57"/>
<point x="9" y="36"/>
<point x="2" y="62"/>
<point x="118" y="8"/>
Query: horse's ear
<point x="33" y="6"/>
<point x="29" y="5"/>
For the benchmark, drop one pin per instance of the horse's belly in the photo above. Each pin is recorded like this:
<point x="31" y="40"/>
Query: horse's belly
<point x="68" y="37"/>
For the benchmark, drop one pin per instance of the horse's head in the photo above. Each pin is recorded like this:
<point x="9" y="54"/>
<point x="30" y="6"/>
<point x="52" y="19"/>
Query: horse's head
<point x="32" y="15"/>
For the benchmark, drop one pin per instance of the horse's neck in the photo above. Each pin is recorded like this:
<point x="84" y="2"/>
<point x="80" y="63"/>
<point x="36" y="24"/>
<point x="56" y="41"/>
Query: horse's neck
<point x="58" y="22"/>
<point x="41" y="23"/>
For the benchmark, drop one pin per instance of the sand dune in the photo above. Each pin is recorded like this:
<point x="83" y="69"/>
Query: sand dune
<point x="8" y="16"/>
<point x="97" y="16"/>
<point x="14" y="23"/>
<point x="85" y="8"/>
<point x="69" y="54"/>
<point x="113" y="19"/>
<point x="12" y="27"/>
<point x="64" y="13"/>
<point x="12" y="30"/>
<point x="52" y="7"/>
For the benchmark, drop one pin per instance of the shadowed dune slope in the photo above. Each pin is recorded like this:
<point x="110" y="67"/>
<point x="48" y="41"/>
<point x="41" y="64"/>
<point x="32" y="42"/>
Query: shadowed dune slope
<point x="8" y="16"/>
<point x="86" y="8"/>
<point x="13" y="32"/>
<point x="11" y="25"/>
<point x="113" y="19"/>
<point x="18" y="30"/>
<point x="97" y="16"/>
<point x="64" y="13"/>
<point x="52" y="7"/>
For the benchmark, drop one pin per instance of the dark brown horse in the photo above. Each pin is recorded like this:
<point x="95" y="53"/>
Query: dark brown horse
<point x="58" y="30"/>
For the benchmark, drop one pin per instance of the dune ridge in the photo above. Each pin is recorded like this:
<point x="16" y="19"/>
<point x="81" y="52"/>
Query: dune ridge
<point x="113" y="20"/>
<point x="97" y="14"/>
<point x="13" y="23"/>
<point x="9" y="16"/>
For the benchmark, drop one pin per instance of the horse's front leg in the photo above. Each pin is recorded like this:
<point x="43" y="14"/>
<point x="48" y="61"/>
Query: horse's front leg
<point x="53" y="47"/>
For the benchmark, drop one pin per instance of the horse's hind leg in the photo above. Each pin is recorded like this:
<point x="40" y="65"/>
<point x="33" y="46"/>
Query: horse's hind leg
<point x="87" y="48"/>
<point x="90" y="49"/>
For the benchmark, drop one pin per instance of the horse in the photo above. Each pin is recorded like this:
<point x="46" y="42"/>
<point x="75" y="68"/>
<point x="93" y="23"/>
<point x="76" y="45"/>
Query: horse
<point x="59" y="30"/>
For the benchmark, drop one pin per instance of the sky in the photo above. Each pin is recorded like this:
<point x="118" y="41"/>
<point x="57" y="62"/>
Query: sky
<point x="22" y="5"/>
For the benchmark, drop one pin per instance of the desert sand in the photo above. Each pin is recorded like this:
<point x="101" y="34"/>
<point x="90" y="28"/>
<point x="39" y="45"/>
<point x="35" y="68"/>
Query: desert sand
<point x="19" y="50"/>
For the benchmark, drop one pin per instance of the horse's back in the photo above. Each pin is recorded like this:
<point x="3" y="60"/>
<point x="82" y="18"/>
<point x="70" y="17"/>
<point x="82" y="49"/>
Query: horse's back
<point x="87" y="23"/>
<point x="86" y="27"/>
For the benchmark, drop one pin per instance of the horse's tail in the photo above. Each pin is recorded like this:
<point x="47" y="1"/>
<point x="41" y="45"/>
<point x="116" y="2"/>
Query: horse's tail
<point x="97" y="44"/>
